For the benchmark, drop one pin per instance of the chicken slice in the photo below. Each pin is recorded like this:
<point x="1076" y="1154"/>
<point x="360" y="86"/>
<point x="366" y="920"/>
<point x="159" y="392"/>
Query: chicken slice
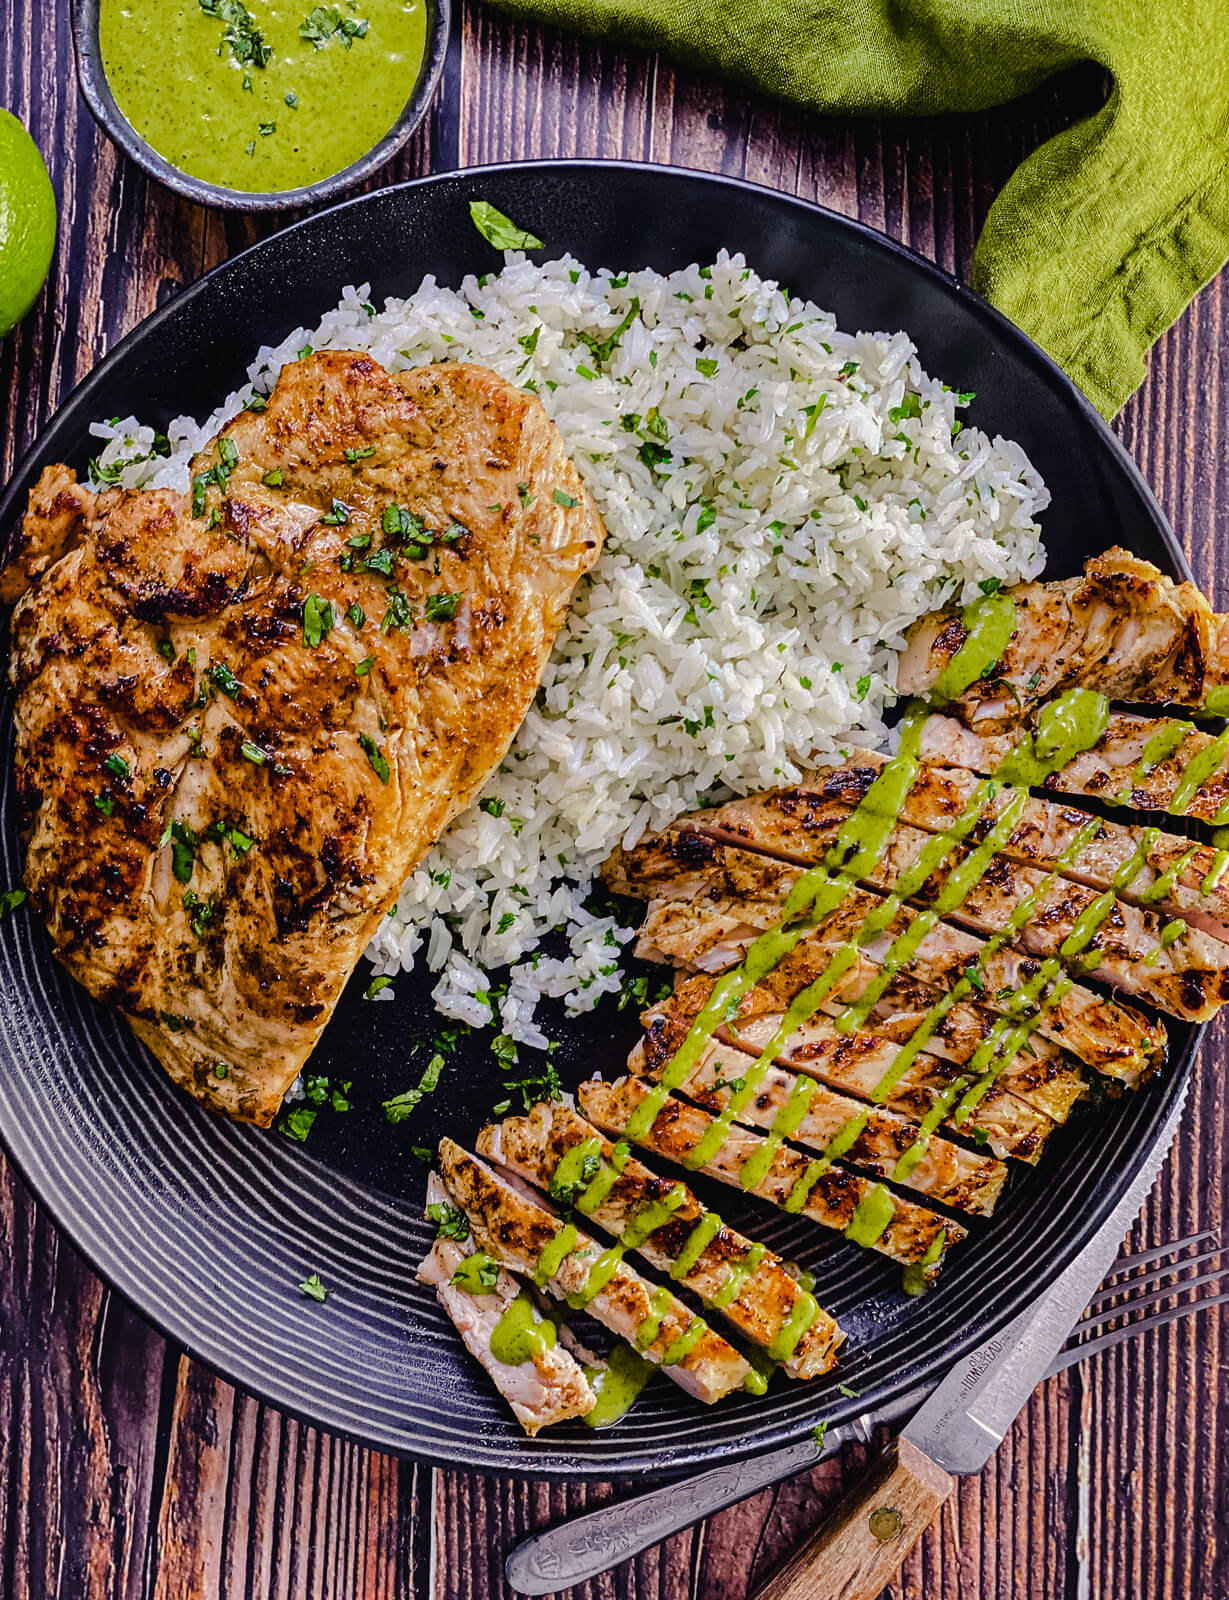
<point x="1021" y="1101"/>
<point x="1122" y="628"/>
<point x="873" y="1139"/>
<point x="867" y="1213"/>
<point x="550" y="1386"/>
<point x="1171" y="965"/>
<point x="242" y="716"/>
<point x="1148" y="763"/>
<point x="518" y="1231"/>
<point x="718" y="912"/>
<point x="1145" y="866"/>
<point x="747" y="1283"/>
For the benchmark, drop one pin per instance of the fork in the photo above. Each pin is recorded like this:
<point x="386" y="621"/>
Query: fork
<point x="597" y="1540"/>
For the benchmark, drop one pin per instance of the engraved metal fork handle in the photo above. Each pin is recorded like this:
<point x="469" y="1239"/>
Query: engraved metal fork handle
<point x="597" y="1540"/>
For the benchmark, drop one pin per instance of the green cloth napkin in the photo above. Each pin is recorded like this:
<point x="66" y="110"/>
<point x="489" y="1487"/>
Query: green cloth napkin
<point x="1104" y="234"/>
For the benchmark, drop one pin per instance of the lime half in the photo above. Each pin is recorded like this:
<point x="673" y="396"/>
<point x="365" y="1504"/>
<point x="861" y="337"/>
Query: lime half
<point x="27" y="222"/>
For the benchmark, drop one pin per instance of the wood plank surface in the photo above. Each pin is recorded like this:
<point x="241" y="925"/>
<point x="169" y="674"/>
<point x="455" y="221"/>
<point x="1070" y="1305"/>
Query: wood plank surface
<point x="127" y="1470"/>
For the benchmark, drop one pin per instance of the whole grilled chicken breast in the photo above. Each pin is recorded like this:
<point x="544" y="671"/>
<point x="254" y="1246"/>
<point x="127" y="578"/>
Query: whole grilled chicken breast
<point x="243" y="715"/>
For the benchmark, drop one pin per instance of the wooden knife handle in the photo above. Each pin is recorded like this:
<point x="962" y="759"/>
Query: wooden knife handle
<point x="861" y="1547"/>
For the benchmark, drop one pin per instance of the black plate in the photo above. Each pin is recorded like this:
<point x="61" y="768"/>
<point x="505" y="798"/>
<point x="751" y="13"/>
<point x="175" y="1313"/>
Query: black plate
<point x="209" y="1227"/>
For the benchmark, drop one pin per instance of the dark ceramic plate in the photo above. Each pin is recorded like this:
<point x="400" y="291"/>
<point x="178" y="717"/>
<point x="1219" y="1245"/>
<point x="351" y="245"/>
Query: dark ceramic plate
<point x="209" y="1227"/>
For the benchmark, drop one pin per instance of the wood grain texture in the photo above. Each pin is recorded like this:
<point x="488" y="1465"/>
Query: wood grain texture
<point x="127" y="1471"/>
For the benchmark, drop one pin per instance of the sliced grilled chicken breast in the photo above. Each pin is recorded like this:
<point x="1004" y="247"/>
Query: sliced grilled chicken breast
<point x="1168" y="964"/>
<point x="866" y="1065"/>
<point x="1148" y="763"/>
<point x="1122" y="628"/>
<point x="824" y="1191"/>
<point x="803" y="1110"/>
<point x="734" y="900"/>
<point x="1145" y="866"/>
<point x="746" y="1283"/>
<point x="1021" y="1099"/>
<point x="243" y="715"/>
<point x="548" y="1387"/>
<point x="518" y="1231"/>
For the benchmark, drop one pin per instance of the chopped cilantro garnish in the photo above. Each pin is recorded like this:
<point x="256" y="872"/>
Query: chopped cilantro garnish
<point x="493" y="808"/>
<point x="400" y="1106"/>
<point x="297" y="1123"/>
<point x="183" y="842"/>
<point x="356" y="454"/>
<point x="274" y="479"/>
<point x="105" y="804"/>
<point x="326" y="22"/>
<point x="317" y="620"/>
<point x="225" y="679"/>
<point x="477" y="1274"/>
<point x="313" y="1289"/>
<point x="450" y="1221"/>
<point x="707" y="368"/>
<point x="562" y="499"/>
<point x="375" y="756"/>
<point x="377" y="986"/>
<point x="337" y="516"/>
<point x="246" y="42"/>
<point x="10" y="899"/>
<point x="499" y="230"/>
<point x="441" y="607"/>
<point x="567" y="1191"/>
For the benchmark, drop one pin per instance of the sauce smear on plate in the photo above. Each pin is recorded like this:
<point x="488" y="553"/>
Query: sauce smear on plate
<point x="275" y="95"/>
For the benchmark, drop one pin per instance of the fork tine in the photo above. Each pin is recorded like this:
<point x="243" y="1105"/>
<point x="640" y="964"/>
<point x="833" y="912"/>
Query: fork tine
<point x="1081" y="1352"/>
<point x="1129" y="1285"/>
<point x="1125" y="1263"/>
<point x="1145" y="1302"/>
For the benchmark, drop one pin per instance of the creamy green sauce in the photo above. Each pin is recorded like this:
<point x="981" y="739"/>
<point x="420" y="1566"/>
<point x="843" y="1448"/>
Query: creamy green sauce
<point x="617" y="1385"/>
<point x="520" y="1334"/>
<point x="1066" y="727"/>
<point x="990" y="623"/>
<point x="303" y="115"/>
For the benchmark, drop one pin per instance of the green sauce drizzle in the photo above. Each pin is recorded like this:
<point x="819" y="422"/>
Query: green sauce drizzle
<point x="990" y="624"/>
<point x="617" y="1385"/>
<point x="520" y="1334"/>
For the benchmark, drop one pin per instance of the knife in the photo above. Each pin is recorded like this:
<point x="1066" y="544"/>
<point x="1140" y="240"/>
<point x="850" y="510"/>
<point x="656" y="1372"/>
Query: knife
<point x="860" y="1547"/>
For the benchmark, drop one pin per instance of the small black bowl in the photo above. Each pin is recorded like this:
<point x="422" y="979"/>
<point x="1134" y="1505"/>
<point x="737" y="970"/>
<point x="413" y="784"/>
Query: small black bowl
<point x="97" y="91"/>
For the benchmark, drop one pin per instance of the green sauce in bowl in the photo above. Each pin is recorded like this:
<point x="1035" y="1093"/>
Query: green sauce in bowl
<point x="264" y="96"/>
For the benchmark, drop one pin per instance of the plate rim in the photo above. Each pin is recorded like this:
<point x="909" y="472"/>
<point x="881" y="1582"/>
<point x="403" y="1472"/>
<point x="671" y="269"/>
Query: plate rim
<point x="644" y="1461"/>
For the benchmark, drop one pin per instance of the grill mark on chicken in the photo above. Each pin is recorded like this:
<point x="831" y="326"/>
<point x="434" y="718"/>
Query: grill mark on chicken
<point x="260" y="730"/>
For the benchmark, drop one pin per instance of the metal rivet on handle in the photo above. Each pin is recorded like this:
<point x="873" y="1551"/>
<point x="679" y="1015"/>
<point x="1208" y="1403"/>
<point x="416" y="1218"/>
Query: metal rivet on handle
<point x="885" y="1523"/>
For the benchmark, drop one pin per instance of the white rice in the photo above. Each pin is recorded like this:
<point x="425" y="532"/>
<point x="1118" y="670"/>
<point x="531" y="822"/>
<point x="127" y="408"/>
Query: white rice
<point x="746" y="613"/>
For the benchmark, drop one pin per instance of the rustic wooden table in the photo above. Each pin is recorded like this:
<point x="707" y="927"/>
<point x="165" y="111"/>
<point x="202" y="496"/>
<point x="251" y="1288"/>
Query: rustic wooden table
<point x="126" y="1469"/>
